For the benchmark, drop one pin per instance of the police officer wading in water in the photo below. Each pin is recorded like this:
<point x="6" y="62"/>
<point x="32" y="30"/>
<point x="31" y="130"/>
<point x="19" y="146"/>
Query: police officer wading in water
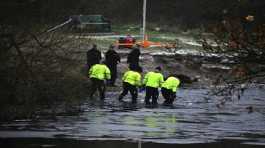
<point x="169" y="88"/>
<point x="98" y="73"/>
<point x="152" y="81"/>
<point x="112" y="59"/>
<point x="131" y="80"/>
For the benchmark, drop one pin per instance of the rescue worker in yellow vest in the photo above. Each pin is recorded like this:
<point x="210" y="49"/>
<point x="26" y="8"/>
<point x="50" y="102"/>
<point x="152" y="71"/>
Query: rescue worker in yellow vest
<point x="169" y="89"/>
<point x="98" y="73"/>
<point x="131" y="80"/>
<point x="152" y="81"/>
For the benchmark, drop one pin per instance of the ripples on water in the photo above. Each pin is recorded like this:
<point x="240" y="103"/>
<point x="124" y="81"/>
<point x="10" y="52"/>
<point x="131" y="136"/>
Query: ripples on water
<point x="192" y="119"/>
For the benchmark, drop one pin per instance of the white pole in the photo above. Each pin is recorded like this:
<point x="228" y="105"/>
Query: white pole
<point x="139" y="143"/>
<point x="144" y="18"/>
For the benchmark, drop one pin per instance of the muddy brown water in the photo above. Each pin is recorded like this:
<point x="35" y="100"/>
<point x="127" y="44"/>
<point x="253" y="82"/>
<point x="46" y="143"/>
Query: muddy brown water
<point x="194" y="120"/>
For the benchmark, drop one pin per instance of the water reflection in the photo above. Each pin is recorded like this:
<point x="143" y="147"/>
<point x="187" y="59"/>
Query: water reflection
<point x="190" y="119"/>
<point x="166" y="124"/>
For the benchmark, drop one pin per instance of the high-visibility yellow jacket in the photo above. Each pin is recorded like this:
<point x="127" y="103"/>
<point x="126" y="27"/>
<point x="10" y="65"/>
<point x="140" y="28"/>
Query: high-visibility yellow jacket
<point x="99" y="71"/>
<point x="132" y="77"/>
<point x="153" y="79"/>
<point x="171" y="83"/>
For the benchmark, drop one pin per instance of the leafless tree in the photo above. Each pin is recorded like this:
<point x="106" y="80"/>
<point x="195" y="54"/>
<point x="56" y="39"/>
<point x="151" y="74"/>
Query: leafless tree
<point x="38" y="68"/>
<point x="243" y="40"/>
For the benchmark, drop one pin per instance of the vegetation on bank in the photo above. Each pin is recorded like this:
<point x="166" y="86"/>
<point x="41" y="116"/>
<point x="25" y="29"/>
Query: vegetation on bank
<point x="38" y="70"/>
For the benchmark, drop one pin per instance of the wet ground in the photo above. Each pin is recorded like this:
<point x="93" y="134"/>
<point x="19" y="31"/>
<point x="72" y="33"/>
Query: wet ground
<point x="195" y="119"/>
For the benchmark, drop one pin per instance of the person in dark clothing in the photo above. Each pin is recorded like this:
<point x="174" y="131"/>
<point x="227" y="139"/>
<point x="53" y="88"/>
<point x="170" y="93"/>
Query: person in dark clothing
<point x="112" y="59"/>
<point x="133" y="57"/>
<point x="93" y="56"/>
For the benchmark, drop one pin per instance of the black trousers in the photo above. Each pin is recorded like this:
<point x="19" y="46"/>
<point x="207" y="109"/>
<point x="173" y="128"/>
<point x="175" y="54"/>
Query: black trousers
<point x="151" y="92"/>
<point x="99" y="85"/>
<point x="168" y="95"/>
<point x="127" y="87"/>
<point x="113" y="72"/>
